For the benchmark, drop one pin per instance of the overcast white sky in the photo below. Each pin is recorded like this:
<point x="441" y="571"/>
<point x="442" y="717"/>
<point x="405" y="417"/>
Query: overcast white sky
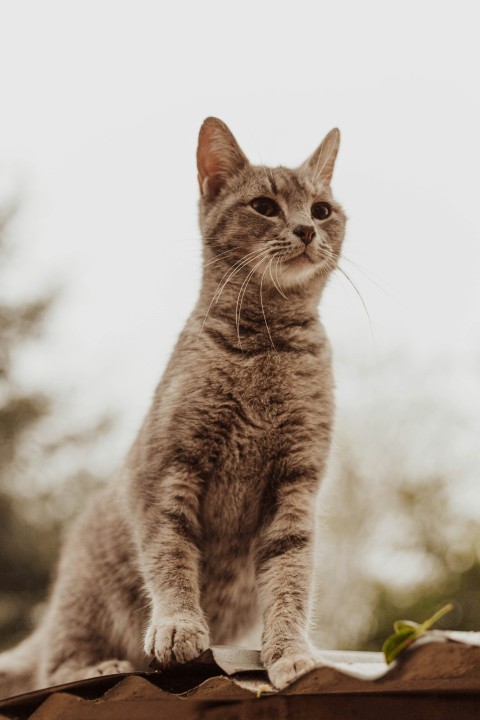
<point x="100" y="106"/>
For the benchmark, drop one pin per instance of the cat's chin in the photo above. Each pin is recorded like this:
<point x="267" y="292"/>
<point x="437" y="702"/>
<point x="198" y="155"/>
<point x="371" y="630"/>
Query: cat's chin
<point x="301" y="260"/>
<point x="299" y="270"/>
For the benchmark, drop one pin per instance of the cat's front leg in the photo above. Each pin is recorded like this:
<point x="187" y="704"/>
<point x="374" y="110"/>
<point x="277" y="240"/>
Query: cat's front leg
<point x="169" y="540"/>
<point x="284" y="567"/>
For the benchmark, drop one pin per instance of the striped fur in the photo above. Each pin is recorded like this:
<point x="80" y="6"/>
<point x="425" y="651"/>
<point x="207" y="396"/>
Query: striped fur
<point x="208" y="528"/>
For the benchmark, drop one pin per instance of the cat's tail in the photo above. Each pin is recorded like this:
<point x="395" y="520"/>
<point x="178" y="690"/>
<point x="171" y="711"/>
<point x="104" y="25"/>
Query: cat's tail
<point x="18" y="667"/>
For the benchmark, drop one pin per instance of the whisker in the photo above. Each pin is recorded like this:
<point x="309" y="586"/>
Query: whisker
<point x="273" y="280"/>
<point x="279" y="244"/>
<point x="276" y="273"/>
<point x="347" y="276"/>
<point x="241" y="263"/>
<point x="241" y="295"/>
<point x="368" y="275"/>
<point x="269" y="265"/>
<point x="241" y="289"/>
<point x="219" y="257"/>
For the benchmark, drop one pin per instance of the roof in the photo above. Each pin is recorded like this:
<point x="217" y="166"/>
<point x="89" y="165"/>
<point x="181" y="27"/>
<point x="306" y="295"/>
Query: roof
<point x="438" y="677"/>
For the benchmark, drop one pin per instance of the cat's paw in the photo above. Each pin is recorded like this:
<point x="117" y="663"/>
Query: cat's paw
<point x="177" y="639"/>
<point x="290" y="667"/>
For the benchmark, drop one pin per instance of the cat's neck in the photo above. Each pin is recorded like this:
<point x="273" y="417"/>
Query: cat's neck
<point x="253" y="320"/>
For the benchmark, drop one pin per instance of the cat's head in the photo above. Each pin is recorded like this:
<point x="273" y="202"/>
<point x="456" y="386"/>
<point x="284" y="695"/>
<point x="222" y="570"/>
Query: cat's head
<point x="285" y="222"/>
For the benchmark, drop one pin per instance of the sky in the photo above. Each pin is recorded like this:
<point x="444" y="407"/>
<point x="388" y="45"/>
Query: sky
<point x="100" y="107"/>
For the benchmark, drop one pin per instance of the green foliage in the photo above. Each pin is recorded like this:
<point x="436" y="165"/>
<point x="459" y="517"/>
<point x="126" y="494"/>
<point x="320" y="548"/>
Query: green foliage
<point x="398" y="536"/>
<point x="26" y="552"/>
<point x="462" y="591"/>
<point x="26" y="556"/>
<point x="407" y="632"/>
<point x="31" y="520"/>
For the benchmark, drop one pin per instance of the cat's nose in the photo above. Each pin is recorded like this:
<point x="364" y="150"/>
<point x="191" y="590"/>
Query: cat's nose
<point x="306" y="233"/>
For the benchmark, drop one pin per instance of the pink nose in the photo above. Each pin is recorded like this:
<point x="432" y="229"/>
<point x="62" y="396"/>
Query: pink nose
<point x="306" y="233"/>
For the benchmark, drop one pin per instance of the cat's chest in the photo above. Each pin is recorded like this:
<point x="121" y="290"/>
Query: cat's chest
<point x="241" y="416"/>
<point x="271" y="381"/>
<point x="257" y="418"/>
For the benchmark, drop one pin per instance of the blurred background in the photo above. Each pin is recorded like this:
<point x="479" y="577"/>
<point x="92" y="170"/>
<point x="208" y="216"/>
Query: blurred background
<point x="100" y="257"/>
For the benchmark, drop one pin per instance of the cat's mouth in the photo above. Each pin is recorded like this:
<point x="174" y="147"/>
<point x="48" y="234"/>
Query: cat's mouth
<point x="302" y="257"/>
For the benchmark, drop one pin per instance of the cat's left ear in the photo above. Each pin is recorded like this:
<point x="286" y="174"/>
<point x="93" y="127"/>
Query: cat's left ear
<point x="218" y="156"/>
<point x="320" y="165"/>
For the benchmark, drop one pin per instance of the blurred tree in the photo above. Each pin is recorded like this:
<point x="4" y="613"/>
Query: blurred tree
<point x="446" y="546"/>
<point x="31" y="519"/>
<point x="26" y="551"/>
<point x="400" y="530"/>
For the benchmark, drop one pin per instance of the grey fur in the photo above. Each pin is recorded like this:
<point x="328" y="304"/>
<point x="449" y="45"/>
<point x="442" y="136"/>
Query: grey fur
<point x="209" y="526"/>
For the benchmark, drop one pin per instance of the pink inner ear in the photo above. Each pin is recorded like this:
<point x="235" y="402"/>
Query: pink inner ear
<point x="205" y="161"/>
<point x="218" y="155"/>
<point x="208" y="161"/>
<point x="210" y="184"/>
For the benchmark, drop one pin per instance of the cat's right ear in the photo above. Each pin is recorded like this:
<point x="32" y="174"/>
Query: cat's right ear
<point x="218" y="156"/>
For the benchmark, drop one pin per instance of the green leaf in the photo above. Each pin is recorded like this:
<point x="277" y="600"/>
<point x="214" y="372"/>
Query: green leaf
<point x="403" y="624"/>
<point x="436" y="616"/>
<point x="407" y="631"/>
<point x="399" y="641"/>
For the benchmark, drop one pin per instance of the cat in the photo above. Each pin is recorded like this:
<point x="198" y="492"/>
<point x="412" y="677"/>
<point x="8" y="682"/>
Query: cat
<point x="209" y="527"/>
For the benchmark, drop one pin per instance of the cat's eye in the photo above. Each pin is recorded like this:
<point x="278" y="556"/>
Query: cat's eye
<point x="265" y="206"/>
<point x="321" y="210"/>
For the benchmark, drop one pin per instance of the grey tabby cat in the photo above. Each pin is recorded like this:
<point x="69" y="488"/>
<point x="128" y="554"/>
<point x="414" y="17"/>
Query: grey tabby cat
<point x="209" y="527"/>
